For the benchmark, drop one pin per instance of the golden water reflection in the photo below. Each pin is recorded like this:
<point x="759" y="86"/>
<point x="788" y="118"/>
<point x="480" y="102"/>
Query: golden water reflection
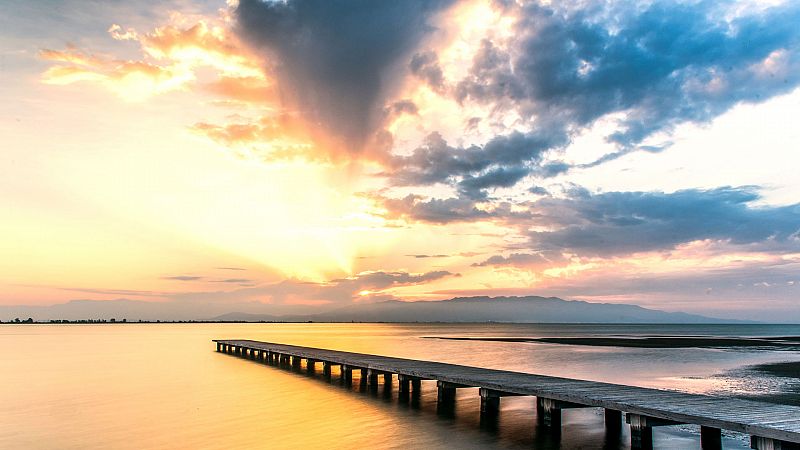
<point x="162" y="386"/>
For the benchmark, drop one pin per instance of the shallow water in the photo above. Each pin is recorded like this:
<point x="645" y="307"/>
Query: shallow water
<point x="163" y="386"/>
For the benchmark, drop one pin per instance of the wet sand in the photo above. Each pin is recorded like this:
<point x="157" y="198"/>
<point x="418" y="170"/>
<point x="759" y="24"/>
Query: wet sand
<point x="788" y="370"/>
<point x="780" y="342"/>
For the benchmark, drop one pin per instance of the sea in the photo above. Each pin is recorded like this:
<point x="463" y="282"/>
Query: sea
<point x="163" y="386"/>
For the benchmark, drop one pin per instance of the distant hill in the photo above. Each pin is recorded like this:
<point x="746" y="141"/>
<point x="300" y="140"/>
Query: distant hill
<point x="531" y="309"/>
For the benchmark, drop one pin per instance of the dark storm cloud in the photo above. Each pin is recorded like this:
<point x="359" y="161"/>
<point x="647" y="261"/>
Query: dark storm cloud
<point x="612" y="223"/>
<point x="425" y="66"/>
<point x="333" y="57"/>
<point x="474" y="187"/>
<point x="450" y="210"/>
<point x="501" y="162"/>
<point x="567" y="67"/>
<point x="402" y="107"/>
<point x="663" y="64"/>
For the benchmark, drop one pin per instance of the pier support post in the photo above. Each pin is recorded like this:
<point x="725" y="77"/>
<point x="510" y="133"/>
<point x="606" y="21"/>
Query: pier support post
<point x="641" y="434"/>
<point x="416" y="386"/>
<point x="613" y="420"/>
<point x="310" y="365"/>
<point x="548" y="412"/>
<point x="446" y="398"/>
<point x="387" y="379"/>
<point x="219" y="347"/>
<point x="372" y="379"/>
<point x="762" y="443"/>
<point x="642" y="429"/>
<point x="490" y="402"/>
<point x="446" y="393"/>
<point x="326" y="369"/>
<point x="296" y="361"/>
<point x="403" y="384"/>
<point x="710" y="438"/>
<point x="347" y="375"/>
<point x="408" y="386"/>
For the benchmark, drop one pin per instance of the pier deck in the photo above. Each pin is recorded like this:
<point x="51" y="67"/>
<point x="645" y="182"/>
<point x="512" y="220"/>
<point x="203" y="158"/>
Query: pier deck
<point x="771" y="426"/>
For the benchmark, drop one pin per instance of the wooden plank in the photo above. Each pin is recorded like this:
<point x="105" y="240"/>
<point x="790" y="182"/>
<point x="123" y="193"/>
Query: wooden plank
<point x="756" y="418"/>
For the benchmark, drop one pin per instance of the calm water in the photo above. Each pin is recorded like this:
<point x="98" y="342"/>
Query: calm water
<point x="161" y="386"/>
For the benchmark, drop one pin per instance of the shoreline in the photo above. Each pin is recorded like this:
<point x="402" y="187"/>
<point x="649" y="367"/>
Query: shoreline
<point x="776" y="342"/>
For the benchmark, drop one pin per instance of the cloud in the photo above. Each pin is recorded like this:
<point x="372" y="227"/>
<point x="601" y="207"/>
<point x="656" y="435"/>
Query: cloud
<point x="501" y="162"/>
<point x="475" y="186"/>
<point x="567" y="64"/>
<point x="535" y="261"/>
<point x="271" y="137"/>
<point x="183" y="278"/>
<point x="402" y="107"/>
<point x="334" y="59"/>
<point x="425" y="66"/>
<point x="616" y="223"/>
<point x="443" y="211"/>
<point x="131" y="80"/>
<point x="172" y="56"/>
<point x="234" y="280"/>
<point x="364" y="286"/>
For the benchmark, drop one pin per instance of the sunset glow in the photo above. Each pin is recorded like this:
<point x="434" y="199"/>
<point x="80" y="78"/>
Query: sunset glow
<point x="223" y="153"/>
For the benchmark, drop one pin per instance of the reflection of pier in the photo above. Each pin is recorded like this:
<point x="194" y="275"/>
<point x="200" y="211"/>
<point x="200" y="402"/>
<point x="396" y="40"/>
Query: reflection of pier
<point x="770" y="426"/>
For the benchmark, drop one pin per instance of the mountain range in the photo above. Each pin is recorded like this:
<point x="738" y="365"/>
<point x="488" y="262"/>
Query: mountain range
<point x="529" y="309"/>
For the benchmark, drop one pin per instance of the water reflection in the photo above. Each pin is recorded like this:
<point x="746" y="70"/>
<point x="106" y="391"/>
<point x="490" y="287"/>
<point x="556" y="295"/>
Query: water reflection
<point x="163" y="386"/>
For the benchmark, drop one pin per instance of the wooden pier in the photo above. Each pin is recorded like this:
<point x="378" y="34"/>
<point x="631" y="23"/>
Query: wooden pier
<point x="771" y="426"/>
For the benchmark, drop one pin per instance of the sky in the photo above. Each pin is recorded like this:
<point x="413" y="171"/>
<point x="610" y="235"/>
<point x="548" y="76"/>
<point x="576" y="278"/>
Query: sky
<point x="319" y="153"/>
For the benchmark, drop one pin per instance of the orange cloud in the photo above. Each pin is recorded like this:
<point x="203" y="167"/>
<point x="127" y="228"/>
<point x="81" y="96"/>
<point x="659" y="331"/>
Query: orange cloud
<point x="171" y="58"/>
<point x="131" y="80"/>
<point x="269" y="137"/>
<point x="203" y="45"/>
<point x="254" y="90"/>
